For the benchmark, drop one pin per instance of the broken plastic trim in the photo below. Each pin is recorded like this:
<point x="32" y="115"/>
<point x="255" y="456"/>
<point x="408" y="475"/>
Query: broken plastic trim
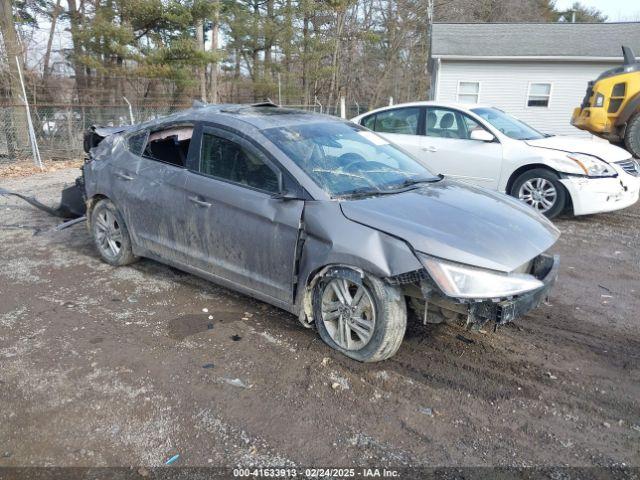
<point x="500" y="310"/>
<point x="71" y="205"/>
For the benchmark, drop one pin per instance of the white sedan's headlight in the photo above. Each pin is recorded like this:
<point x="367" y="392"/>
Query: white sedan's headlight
<point x="462" y="281"/>
<point x="592" y="166"/>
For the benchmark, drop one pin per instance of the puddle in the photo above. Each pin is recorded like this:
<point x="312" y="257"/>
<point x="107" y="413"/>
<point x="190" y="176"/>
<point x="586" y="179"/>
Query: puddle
<point x="187" y="325"/>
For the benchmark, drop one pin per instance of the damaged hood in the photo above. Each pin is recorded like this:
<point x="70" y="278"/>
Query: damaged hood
<point x="603" y="150"/>
<point x="460" y="223"/>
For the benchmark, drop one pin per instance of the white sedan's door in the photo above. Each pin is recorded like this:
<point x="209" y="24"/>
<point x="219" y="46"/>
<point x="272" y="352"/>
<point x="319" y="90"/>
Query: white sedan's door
<point x="447" y="149"/>
<point x="400" y="126"/>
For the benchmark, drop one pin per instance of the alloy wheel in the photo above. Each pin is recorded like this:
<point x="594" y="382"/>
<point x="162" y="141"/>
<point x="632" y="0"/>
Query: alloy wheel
<point x="348" y="313"/>
<point x="539" y="193"/>
<point x="108" y="234"/>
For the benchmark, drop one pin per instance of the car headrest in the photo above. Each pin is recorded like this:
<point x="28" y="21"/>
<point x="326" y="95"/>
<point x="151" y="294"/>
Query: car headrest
<point x="432" y="119"/>
<point x="447" y="120"/>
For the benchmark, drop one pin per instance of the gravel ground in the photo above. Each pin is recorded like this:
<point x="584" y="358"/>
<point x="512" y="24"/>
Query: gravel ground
<point x="119" y="367"/>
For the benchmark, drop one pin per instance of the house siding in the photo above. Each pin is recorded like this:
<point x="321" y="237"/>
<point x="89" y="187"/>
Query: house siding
<point x="505" y="85"/>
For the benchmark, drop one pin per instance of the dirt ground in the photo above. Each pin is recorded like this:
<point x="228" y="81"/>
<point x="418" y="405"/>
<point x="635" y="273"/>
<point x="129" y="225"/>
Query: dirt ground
<point x="118" y="367"/>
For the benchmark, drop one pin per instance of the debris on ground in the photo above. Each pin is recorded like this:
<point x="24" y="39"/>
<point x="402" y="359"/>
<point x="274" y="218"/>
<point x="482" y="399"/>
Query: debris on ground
<point x="426" y="411"/>
<point x="551" y="376"/>
<point x="235" y="382"/>
<point x="172" y="459"/>
<point x="208" y="365"/>
<point x="236" y="337"/>
<point x="464" y="339"/>
<point x="338" y="382"/>
<point x="325" y="361"/>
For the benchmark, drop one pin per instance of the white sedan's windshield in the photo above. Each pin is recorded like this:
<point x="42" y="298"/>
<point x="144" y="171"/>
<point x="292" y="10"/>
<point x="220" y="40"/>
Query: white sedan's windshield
<point x="510" y="126"/>
<point x="345" y="159"/>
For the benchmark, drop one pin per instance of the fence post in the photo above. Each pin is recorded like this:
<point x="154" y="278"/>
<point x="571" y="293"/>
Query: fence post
<point x="130" y="110"/>
<point x="32" y="133"/>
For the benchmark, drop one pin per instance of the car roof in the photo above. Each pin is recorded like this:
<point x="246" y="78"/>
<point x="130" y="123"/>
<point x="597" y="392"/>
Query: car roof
<point x="426" y="103"/>
<point x="260" y="116"/>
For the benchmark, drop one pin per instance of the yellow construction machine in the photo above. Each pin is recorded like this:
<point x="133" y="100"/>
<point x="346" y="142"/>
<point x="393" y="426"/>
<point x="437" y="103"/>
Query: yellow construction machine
<point x="611" y="107"/>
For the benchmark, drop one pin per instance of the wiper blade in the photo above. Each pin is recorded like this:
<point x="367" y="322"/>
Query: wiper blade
<point x="417" y="181"/>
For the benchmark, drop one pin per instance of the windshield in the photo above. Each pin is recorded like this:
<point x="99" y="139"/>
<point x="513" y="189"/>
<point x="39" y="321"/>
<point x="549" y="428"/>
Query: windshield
<point x="346" y="159"/>
<point x="510" y="126"/>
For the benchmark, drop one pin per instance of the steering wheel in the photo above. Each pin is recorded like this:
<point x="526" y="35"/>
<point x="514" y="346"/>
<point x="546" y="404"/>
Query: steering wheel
<point x="347" y="160"/>
<point x="370" y="166"/>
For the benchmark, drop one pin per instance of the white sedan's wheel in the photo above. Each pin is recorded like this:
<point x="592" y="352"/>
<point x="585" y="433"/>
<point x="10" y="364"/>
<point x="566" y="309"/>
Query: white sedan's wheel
<point x="539" y="193"/>
<point x="541" y="189"/>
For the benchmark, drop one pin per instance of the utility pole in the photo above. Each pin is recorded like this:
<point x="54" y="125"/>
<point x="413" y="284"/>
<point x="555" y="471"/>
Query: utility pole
<point x="428" y="34"/>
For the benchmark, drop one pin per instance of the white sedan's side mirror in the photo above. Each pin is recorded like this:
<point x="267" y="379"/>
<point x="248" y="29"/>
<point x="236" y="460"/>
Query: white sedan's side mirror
<point x="481" y="135"/>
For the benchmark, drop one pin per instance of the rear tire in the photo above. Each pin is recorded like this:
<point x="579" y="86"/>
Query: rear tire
<point x="110" y="234"/>
<point x="632" y="135"/>
<point x="384" y="314"/>
<point x="541" y="189"/>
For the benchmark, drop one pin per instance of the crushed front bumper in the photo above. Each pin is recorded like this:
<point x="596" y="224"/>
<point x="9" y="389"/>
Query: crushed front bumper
<point x="546" y="270"/>
<point x="598" y="195"/>
<point x="419" y="286"/>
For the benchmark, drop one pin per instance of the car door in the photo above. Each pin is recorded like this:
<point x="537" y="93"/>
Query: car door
<point x="401" y="126"/>
<point x="243" y="233"/>
<point x="148" y="187"/>
<point x="448" y="149"/>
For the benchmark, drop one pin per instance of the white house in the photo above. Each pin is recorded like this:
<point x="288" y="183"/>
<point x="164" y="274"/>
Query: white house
<point x="537" y="72"/>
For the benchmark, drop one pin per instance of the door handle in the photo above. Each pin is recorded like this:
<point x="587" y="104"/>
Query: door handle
<point x="430" y="148"/>
<point x="123" y="176"/>
<point x="200" y="203"/>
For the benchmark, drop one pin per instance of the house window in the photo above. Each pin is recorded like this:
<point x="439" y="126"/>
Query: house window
<point x="468" y="92"/>
<point x="539" y="95"/>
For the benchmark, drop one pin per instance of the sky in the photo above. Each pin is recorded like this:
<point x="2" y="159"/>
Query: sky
<point x="615" y="10"/>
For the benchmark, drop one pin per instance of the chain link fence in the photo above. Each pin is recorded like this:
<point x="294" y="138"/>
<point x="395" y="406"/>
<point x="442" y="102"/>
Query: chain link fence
<point x="59" y="127"/>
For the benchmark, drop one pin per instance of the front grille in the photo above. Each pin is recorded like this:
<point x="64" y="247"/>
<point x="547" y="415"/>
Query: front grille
<point x="409" y="277"/>
<point x="630" y="166"/>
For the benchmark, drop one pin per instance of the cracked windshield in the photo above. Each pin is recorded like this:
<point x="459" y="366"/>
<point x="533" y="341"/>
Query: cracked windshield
<point x="346" y="160"/>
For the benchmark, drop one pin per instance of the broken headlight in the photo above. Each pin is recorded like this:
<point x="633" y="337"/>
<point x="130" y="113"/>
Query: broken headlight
<point x="592" y="166"/>
<point x="462" y="281"/>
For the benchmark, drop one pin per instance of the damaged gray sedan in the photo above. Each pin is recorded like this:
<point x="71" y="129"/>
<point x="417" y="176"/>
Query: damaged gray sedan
<point x="317" y="216"/>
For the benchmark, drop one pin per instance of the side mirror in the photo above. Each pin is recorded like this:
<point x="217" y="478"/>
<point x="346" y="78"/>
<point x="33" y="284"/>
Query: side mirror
<point x="481" y="135"/>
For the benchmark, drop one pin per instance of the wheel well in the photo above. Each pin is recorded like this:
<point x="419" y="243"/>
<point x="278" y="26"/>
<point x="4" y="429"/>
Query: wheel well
<point x="523" y="169"/>
<point x="91" y="202"/>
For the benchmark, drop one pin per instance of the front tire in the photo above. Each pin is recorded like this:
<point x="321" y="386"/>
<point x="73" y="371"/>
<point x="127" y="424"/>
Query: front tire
<point x="541" y="189"/>
<point x="110" y="234"/>
<point x="632" y="135"/>
<point x="364" y="321"/>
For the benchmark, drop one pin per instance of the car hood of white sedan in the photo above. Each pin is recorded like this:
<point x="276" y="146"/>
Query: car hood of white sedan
<point x="603" y="150"/>
<point x="458" y="222"/>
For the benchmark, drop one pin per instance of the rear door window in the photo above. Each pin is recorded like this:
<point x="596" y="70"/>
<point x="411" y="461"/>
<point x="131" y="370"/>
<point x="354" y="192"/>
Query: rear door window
<point x="400" y="120"/>
<point x="170" y="145"/>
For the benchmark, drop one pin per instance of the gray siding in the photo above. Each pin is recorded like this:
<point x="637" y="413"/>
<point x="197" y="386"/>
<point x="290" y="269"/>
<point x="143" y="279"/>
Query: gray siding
<point x="505" y="86"/>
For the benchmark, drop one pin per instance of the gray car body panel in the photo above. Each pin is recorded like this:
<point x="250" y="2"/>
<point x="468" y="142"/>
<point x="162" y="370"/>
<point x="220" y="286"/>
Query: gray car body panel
<point x="273" y="247"/>
<point x="457" y="222"/>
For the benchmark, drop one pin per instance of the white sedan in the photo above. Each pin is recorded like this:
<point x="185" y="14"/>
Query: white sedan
<point x="485" y="146"/>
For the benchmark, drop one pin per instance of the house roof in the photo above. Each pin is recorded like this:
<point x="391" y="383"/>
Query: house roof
<point x="511" y="40"/>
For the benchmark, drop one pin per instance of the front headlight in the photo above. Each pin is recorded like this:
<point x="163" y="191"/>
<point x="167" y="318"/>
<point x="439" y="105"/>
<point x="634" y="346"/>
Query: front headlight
<point x="462" y="281"/>
<point x="592" y="166"/>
